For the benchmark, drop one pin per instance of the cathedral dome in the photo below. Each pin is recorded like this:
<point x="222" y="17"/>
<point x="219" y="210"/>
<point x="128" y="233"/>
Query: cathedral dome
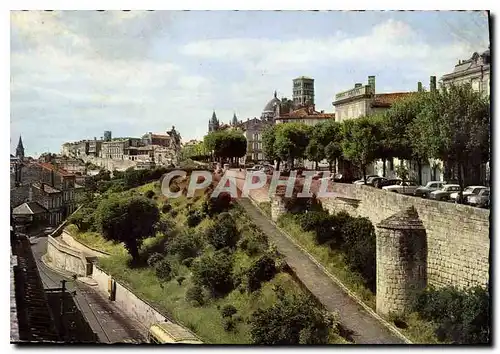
<point x="269" y="108"/>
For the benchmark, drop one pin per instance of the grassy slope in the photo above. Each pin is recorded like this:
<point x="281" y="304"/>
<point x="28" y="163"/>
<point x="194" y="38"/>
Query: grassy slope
<point x="206" y="321"/>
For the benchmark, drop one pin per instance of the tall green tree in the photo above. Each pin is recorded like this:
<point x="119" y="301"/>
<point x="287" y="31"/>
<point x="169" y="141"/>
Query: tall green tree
<point x="315" y="152"/>
<point x="398" y="121"/>
<point x="268" y="139"/>
<point x="291" y="141"/>
<point x="360" y="141"/>
<point x="127" y="220"/>
<point x="454" y="126"/>
<point x="226" y="144"/>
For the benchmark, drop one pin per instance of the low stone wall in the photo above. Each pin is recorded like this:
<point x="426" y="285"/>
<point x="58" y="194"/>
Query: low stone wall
<point x="458" y="240"/>
<point x="128" y="302"/>
<point x="67" y="258"/>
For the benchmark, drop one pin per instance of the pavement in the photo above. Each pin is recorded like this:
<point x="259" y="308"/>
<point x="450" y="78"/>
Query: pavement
<point x="109" y="323"/>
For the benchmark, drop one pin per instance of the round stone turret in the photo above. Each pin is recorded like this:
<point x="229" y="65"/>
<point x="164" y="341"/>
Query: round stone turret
<point x="401" y="261"/>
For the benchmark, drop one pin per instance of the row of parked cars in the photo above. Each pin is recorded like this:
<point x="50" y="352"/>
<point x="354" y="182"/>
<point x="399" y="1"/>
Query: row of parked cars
<point x="437" y="190"/>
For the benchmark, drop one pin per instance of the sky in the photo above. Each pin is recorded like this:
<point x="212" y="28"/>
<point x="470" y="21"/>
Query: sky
<point x="75" y="74"/>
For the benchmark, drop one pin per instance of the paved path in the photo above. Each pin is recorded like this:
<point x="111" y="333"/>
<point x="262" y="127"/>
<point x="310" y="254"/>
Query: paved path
<point x="367" y="330"/>
<point x="109" y="323"/>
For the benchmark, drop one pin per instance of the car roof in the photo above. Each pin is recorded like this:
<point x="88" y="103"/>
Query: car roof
<point x="452" y="185"/>
<point x="476" y="187"/>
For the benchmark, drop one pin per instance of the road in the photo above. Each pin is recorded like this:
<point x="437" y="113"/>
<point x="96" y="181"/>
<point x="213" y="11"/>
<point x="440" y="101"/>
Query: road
<point x="106" y="320"/>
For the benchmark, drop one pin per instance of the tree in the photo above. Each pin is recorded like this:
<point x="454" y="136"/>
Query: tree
<point x="328" y="135"/>
<point x="292" y="319"/>
<point x="360" y="141"/>
<point x="128" y="220"/>
<point x="454" y="126"/>
<point x="268" y="139"/>
<point x="214" y="272"/>
<point x="315" y="152"/>
<point x="291" y="141"/>
<point x="398" y="121"/>
<point x="223" y="233"/>
<point x="226" y="144"/>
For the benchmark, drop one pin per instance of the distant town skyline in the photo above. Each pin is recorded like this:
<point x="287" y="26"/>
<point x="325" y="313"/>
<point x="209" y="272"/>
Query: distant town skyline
<point x="75" y="74"/>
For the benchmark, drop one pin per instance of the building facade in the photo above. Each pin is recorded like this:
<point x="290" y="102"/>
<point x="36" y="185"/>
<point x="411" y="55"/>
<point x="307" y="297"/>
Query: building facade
<point x="252" y="130"/>
<point x="475" y="70"/>
<point x="363" y="100"/>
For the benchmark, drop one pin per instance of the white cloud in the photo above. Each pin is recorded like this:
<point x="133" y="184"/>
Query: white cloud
<point x="387" y="42"/>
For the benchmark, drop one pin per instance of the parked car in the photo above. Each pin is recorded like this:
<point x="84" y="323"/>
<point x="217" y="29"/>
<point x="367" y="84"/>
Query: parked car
<point x="424" y="191"/>
<point x="376" y="181"/>
<point x="406" y="187"/>
<point x="445" y="192"/>
<point x="480" y="200"/>
<point x="469" y="191"/>
<point x="255" y="168"/>
<point x="389" y="182"/>
<point x="368" y="178"/>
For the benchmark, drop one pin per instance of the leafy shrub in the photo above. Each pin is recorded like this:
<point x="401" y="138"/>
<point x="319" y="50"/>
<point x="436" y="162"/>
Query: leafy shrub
<point x="291" y="319"/>
<point x="164" y="270"/>
<point x="173" y="213"/>
<point x="254" y="243"/>
<point x="223" y="233"/>
<point x="320" y="222"/>
<point x="180" y="280"/>
<point x="228" y="311"/>
<point x="360" y="248"/>
<point x="164" y="226"/>
<point x="220" y="204"/>
<point x="337" y="221"/>
<point x="149" y="194"/>
<point x="229" y="325"/>
<point x="187" y="262"/>
<point x="154" y="258"/>
<point x="194" y="217"/>
<point x="185" y="245"/>
<point x="194" y="295"/>
<point x="263" y="269"/>
<point x="84" y="219"/>
<point x="462" y="315"/>
<point x="165" y="208"/>
<point x="214" y="272"/>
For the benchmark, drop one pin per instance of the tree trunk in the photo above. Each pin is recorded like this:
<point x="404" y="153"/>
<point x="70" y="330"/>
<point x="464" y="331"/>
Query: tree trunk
<point x="278" y="164"/>
<point x="363" y="168"/>
<point x="419" y="164"/>
<point x="460" y="182"/>
<point x="133" y="250"/>
<point x="383" y="167"/>
<point x="316" y="165"/>
<point x="330" y="166"/>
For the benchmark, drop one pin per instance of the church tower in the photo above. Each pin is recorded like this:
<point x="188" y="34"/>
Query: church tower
<point x="213" y="124"/>
<point x="303" y="92"/>
<point x="20" y="149"/>
<point x="234" y="122"/>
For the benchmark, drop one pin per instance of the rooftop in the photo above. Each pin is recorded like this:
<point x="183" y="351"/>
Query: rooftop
<point x="29" y="208"/>
<point x="305" y="113"/>
<point x="46" y="187"/>
<point x="387" y="99"/>
<point x="51" y="167"/>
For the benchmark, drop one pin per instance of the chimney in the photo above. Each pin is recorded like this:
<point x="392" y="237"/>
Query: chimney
<point x="95" y="138"/>
<point x="419" y="85"/>
<point x="433" y="84"/>
<point x="357" y="85"/>
<point x="371" y="82"/>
